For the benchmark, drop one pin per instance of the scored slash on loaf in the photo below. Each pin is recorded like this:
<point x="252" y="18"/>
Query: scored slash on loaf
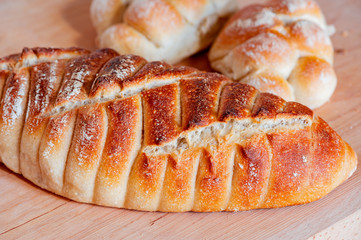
<point x="119" y="131"/>
<point x="282" y="47"/>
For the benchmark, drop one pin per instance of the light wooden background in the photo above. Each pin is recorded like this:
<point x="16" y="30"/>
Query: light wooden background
<point x="31" y="213"/>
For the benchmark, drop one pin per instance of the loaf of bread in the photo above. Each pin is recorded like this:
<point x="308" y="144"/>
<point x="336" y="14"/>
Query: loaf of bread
<point x="282" y="47"/>
<point x="119" y="131"/>
<point x="167" y="30"/>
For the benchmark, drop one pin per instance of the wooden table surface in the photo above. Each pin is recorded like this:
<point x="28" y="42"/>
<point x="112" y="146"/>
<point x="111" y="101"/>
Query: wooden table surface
<point x="31" y="213"/>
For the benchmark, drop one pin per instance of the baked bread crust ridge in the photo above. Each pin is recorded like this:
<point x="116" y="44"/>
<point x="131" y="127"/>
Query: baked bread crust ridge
<point x="118" y="131"/>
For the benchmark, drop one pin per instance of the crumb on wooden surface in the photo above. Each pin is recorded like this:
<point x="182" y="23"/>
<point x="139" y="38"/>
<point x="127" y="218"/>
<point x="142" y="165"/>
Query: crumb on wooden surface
<point x="340" y="51"/>
<point x="344" y="33"/>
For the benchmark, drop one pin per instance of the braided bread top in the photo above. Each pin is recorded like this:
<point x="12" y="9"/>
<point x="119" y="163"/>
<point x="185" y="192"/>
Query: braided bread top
<point x="119" y="131"/>
<point x="282" y="47"/>
<point x="167" y="30"/>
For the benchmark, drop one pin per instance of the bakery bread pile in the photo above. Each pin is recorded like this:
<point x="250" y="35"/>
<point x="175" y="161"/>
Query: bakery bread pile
<point x="282" y="47"/>
<point x="119" y="131"/>
<point x="159" y="29"/>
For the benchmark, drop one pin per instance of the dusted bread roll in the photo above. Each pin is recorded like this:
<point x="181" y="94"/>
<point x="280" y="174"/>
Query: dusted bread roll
<point x="119" y="131"/>
<point x="282" y="47"/>
<point x="167" y="30"/>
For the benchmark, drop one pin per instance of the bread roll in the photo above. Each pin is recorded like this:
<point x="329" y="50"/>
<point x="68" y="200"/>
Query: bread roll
<point x="167" y="30"/>
<point x="119" y="131"/>
<point x="282" y="47"/>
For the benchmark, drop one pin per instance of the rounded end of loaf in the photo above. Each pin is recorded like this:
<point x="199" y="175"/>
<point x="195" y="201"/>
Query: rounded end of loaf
<point x="312" y="39"/>
<point x="313" y="80"/>
<point x="333" y="161"/>
<point x="347" y="166"/>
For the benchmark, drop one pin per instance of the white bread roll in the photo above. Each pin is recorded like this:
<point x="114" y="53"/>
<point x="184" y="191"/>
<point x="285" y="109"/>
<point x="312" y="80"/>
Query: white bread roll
<point x="282" y="47"/>
<point x="168" y="30"/>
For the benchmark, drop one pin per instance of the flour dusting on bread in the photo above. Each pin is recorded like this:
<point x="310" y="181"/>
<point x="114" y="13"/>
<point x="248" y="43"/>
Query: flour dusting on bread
<point x="149" y="136"/>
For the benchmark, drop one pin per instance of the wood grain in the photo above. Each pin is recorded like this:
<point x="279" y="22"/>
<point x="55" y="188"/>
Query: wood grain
<point x="31" y="213"/>
<point x="348" y="228"/>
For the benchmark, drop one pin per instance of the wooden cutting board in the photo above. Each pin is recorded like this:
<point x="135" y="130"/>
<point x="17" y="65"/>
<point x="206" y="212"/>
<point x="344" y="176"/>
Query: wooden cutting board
<point x="31" y="213"/>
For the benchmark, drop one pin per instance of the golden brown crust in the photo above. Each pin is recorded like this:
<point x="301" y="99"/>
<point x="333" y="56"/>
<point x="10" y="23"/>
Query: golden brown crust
<point x="161" y="114"/>
<point x="120" y="150"/>
<point x="4" y="74"/>
<point x="85" y="153"/>
<point x="114" y="74"/>
<point x="297" y="109"/>
<point x="145" y="73"/>
<point x="79" y="76"/>
<point x="267" y="105"/>
<point x="145" y="182"/>
<point x="175" y="73"/>
<point x="179" y="181"/>
<point x="251" y="172"/>
<point x="288" y="179"/>
<point x="12" y="114"/>
<point x="236" y="101"/>
<point x="269" y="46"/>
<point x="325" y="169"/>
<point x="46" y="54"/>
<point x="45" y="79"/>
<point x="155" y="137"/>
<point x="213" y="178"/>
<point x="199" y="97"/>
<point x="54" y="148"/>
